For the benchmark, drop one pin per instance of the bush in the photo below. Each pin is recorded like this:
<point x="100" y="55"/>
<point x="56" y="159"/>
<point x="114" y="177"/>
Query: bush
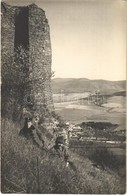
<point x="104" y="157"/>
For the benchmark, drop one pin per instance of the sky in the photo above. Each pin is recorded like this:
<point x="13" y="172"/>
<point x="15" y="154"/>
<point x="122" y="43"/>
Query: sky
<point x="88" y="37"/>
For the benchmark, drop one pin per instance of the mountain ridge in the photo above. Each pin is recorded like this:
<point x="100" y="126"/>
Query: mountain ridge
<point x="81" y="85"/>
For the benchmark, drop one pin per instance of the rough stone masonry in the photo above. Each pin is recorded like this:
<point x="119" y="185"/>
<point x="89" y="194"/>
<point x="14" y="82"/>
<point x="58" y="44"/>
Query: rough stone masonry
<point x="26" y="61"/>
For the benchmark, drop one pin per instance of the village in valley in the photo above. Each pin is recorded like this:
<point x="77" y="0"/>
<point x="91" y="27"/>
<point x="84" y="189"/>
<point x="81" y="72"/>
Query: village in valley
<point x="94" y="117"/>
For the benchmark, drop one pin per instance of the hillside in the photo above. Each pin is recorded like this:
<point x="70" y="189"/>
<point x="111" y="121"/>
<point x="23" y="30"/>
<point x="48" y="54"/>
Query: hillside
<point x="80" y="85"/>
<point x="27" y="169"/>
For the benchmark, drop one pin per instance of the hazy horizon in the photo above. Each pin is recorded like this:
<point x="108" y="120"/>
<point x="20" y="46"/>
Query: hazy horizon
<point x="85" y="78"/>
<point x="88" y="37"/>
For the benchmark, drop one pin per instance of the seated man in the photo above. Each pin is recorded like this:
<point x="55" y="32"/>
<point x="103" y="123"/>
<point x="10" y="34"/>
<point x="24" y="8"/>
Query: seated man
<point x="61" y="150"/>
<point x="27" y="129"/>
<point x="30" y="131"/>
<point x="64" y="133"/>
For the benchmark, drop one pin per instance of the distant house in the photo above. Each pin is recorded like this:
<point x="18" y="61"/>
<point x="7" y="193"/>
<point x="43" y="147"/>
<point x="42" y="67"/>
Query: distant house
<point x="123" y="131"/>
<point x="77" y="128"/>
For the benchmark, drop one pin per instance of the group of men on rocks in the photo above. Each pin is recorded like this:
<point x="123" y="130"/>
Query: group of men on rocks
<point x="61" y="145"/>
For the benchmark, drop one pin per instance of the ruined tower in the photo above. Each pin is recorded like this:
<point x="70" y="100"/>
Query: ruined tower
<point x="26" y="61"/>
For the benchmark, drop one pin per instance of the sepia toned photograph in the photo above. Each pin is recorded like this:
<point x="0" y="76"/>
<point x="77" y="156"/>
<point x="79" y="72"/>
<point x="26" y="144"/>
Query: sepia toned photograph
<point x="63" y="96"/>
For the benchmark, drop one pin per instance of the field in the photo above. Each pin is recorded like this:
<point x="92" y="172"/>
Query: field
<point x="77" y="111"/>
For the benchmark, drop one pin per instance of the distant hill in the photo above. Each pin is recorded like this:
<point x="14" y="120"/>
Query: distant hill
<point x="120" y="93"/>
<point x="80" y="85"/>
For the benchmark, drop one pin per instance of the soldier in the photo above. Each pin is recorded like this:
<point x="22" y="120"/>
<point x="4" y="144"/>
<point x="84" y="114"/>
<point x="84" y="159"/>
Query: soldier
<point x="30" y="131"/>
<point x="64" y="134"/>
<point x="27" y="129"/>
<point x="61" y="150"/>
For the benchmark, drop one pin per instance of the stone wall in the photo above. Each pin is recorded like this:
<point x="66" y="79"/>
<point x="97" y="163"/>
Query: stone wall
<point x="7" y="49"/>
<point x="33" y="92"/>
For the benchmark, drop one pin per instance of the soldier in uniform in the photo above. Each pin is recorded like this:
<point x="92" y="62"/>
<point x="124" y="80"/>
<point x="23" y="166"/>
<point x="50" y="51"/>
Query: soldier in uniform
<point x="61" y="150"/>
<point x="30" y="130"/>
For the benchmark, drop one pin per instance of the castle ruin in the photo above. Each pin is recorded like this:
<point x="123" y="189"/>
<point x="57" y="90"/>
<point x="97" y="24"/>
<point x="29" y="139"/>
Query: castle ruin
<point x="26" y="61"/>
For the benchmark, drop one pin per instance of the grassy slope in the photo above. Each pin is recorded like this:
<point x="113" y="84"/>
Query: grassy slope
<point x="27" y="169"/>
